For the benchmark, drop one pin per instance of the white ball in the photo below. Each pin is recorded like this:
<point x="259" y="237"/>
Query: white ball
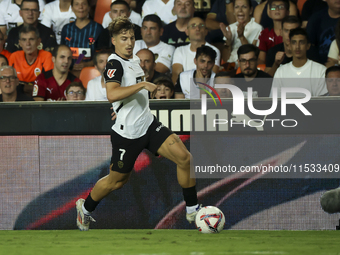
<point x="210" y="220"/>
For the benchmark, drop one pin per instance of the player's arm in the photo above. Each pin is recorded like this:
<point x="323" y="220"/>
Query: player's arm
<point x="115" y="92"/>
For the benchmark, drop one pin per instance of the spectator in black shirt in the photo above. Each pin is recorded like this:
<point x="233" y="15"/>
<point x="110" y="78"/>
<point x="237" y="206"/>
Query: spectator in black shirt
<point x="29" y="11"/>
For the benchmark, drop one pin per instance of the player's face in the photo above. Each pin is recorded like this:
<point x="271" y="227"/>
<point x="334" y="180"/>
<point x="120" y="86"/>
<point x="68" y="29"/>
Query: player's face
<point x="124" y="43"/>
<point x="29" y="42"/>
<point x="29" y="12"/>
<point x="204" y="64"/>
<point x="63" y="60"/>
<point x="75" y="93"/>
<point x="196" y="30"/>
<point x="242" y="11"/>
<point x="151" y="33"/>
<point x="163" y="92"/>
<point x="333" y="83"/>
<point x="146" y="62"/>
<point x="9" y="82"/>
<point x="278" y="10"/>
<point x="299" y="46"/>
<point x="101" y="62"/>
<point x="184" y="9"/>
<point x="248" y="64"/>
<point x="81" y="9"/>
<point x="286" y="28"/>
<point x="119" y="10"/>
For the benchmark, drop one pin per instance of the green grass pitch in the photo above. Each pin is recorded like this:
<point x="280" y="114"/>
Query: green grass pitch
<point x="168" y="242"/>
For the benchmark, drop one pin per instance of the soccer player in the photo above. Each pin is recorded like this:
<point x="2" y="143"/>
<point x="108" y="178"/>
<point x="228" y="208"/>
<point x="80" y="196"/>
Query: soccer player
<point x="135" y="127"/>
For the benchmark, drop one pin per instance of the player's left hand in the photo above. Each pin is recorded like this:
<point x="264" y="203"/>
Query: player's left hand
<point x="113" y="114"/>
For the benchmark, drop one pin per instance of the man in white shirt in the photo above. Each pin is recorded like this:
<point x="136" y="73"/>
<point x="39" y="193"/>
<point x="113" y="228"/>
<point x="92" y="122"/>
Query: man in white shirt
<point x="162" y="8"/>
<point x="151" y="31"/>
<point x="57" y="14"/>
<point x="190" y="83"/>
<point x="96" y="89"/>
<point x="183" y="59"/>
<point x="135" y="17"/>
<point x="9" y="14"/>
<point x="310" y="74"/>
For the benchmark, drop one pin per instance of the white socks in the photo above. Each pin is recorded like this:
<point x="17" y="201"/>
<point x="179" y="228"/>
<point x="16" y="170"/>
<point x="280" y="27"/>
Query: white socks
<point x="84" y="210"/>
<point x="191" y="209"/>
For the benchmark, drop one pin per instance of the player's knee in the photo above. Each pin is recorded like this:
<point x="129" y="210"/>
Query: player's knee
<point x="183" y="160"/>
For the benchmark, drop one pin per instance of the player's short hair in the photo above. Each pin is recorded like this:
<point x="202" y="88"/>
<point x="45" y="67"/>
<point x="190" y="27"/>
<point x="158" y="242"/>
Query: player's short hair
<point x="4" y="57"/>
<point x="206" y="50"/>
<point x="298" y="31"/>
<point x="88" y="2"/>
<point x="9" y="67"/>
<point x="246" y="48"/>
<point x="153" y="18"/>
<point x="29" y="1"/>
<point x="291" y="20"/>
<point x="151" y="53"/>
<point x="166" y="81"/>
<point x="56" y="49"/>
<point x="78" y="84"/>
<point x="332" y="69"/>
<point x="285" y="2"/>
<point x="122" y="2"/>
<point x="119" y="25"/>
<point x="98" y="53"/>
<point x="29" y="28"/>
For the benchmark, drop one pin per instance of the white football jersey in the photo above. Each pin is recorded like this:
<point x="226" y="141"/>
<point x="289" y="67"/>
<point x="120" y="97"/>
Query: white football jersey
<point x="133" y="113"/>
<point x="54" y="18"/>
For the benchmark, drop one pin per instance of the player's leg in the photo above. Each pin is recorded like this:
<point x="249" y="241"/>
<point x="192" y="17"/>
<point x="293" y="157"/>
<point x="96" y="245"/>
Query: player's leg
<point x="174" y="149"/>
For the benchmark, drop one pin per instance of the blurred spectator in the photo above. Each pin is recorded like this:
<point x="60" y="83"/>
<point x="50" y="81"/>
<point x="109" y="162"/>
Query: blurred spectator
<point x="3" y="60"/>
<point x="165" y="88"/>
<point x="268" y="38"/>
<point x="248" y="60"/>
<point x="151" y="31"/>
<point x="190" y="83"/>
<point x="184" y="56"/>
<point x="30" y="61"/>
<point x="175" y="32"/>
<point x="56" y="15"/>
<point x="135" y="17"/>
<point x="223" y="78"/>
<point x="162" y="8"/>
<point x="96" y="89"/>
<point x="51" y="85"/>
<point x="262" y="13"/>
<point x="281" y="53"/>
<point x="333" y="53"/>
<point x="333" y="81"/>
<point x="309" y="8"/>
<point x="81" y="36"/>
<point x="29" y="11"/>
<point x="10" y="16"/>
<point x="8" y="86"/>
<point x="300" y="67"/>
<point x="244" y="31"/>
<point x="75" y="91"/>
<point x="321" y="28"/>
<point x="4" y="52"/>
<point x="148" y="64"/>
<point x="119" y="8"/>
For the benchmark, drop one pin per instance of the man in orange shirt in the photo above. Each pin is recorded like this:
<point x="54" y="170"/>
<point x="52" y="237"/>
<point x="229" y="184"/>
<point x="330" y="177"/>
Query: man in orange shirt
<point x="30" y="61"/>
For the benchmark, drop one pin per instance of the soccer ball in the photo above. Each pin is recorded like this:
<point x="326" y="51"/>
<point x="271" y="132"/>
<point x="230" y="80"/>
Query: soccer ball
<point x="210" y="220"/>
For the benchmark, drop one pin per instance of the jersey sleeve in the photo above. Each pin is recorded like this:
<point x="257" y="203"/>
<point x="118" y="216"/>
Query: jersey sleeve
<point x="113" y="71"/>
<point x="39" y="87"/>
<point x="178" y="57"/>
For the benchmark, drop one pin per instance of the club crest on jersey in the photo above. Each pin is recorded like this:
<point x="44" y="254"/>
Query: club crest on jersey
<point x="111" y="73"/>
<point x="37" y="71"/>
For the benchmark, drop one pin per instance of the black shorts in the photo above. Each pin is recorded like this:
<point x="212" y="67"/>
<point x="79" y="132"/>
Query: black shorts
<point x="125" y="151"/>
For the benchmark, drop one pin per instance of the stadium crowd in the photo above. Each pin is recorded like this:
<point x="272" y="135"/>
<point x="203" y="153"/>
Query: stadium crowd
<point x="57" y="50"/>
